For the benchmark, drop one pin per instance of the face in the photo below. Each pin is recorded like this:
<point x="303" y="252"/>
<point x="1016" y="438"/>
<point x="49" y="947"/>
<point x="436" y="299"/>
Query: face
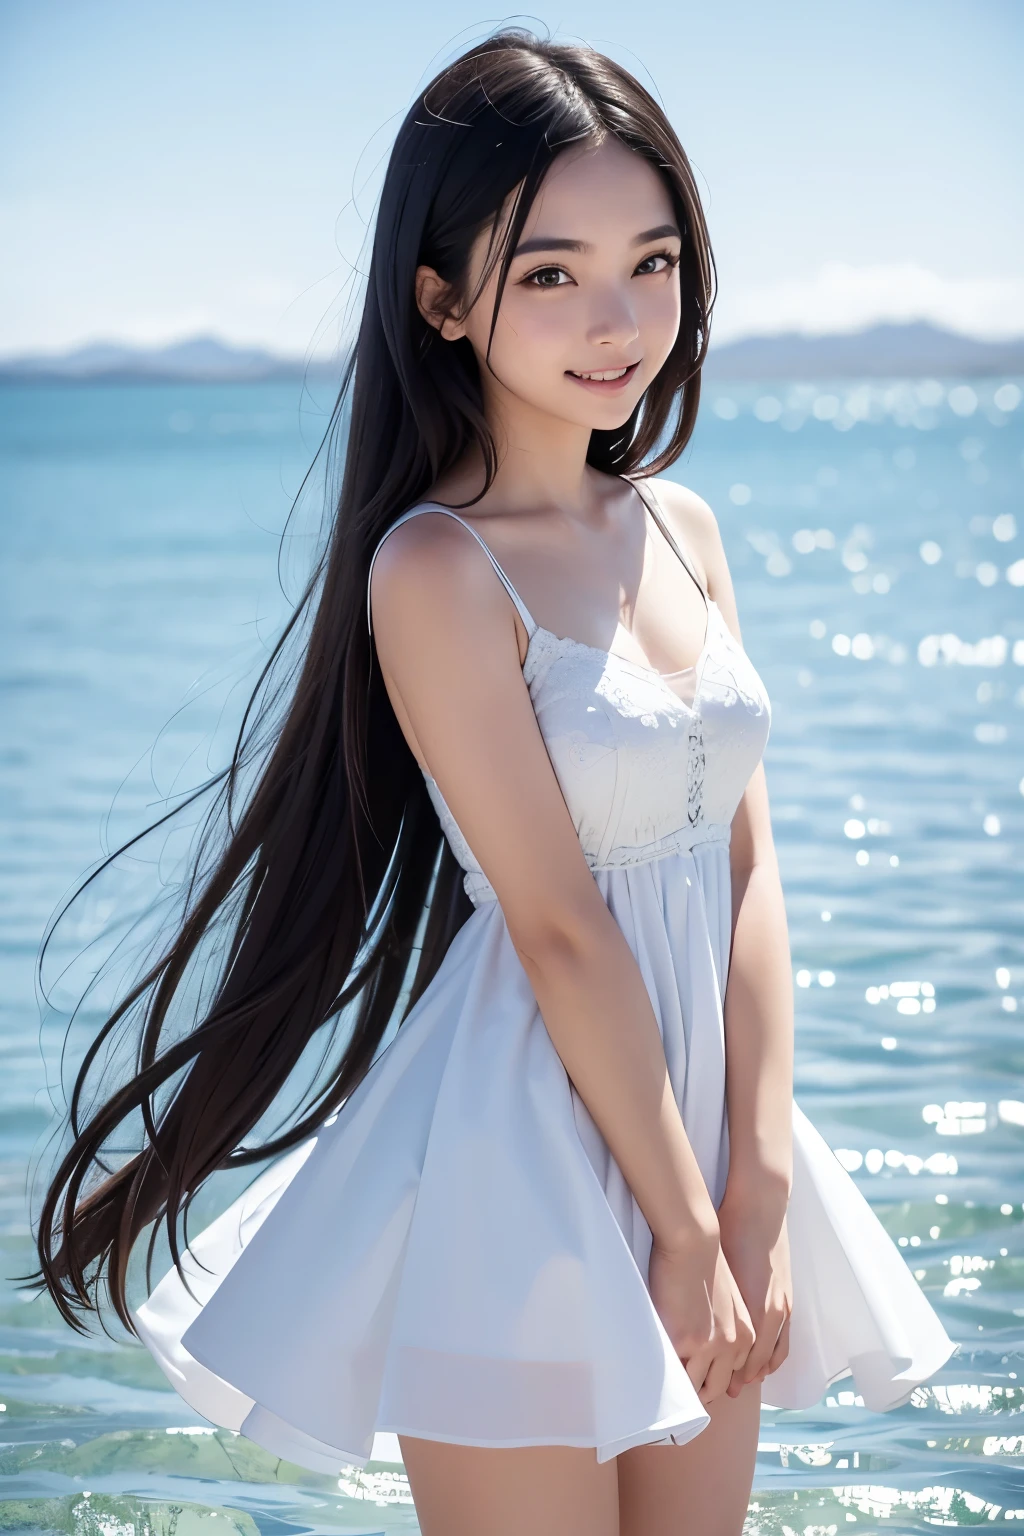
<point x="591" y="307"/>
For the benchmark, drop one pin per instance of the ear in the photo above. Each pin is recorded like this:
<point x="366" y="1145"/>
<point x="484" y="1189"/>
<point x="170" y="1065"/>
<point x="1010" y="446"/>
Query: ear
<point x="433" y="296"/>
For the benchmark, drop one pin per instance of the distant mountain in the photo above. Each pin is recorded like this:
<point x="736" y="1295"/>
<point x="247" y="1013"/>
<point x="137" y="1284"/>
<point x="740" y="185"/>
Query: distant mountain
<point x="198" y="359"/>
<point x="883" y="351"/>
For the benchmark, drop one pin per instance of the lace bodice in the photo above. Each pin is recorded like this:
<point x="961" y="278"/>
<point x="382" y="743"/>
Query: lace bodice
<point x="643" y="772"/>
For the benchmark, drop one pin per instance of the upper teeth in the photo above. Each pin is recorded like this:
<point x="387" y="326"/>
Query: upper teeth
<point x="609" y="373"/>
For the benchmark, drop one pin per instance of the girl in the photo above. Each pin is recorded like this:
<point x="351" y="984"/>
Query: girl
<point x="568" y="1227"/>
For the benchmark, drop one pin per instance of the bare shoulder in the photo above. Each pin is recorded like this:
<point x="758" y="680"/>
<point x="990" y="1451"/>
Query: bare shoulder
<point x="692" y="518"/>
<point x="431" y="565"/>
<point x="689" y="512"/>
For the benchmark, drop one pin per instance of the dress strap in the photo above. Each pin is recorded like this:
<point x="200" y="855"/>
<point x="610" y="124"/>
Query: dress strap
<point x="650" y="501"/>
<point x="524" y="613"/>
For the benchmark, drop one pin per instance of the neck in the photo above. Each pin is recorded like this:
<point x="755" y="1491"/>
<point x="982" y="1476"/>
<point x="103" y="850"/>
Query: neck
<point x="542" y="459"/>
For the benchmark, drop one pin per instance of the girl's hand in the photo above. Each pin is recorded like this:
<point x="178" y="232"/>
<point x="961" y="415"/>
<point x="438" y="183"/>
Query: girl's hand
<point x="703" y="1313"/>
<point x="759" y="1259"/>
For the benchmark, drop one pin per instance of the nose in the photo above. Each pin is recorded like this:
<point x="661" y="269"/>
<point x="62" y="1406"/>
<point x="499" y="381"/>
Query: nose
<point x="612" y="320"/>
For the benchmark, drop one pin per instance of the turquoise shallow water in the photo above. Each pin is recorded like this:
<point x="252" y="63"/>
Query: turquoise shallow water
<point x="873" y="535"/>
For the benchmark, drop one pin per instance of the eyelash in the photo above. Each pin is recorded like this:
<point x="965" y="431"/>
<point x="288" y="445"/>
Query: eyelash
<point x="669" y="257"/>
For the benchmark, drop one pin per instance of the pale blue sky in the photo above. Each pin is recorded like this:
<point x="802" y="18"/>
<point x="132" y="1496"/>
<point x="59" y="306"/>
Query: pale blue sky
<point x="166" y="170"/>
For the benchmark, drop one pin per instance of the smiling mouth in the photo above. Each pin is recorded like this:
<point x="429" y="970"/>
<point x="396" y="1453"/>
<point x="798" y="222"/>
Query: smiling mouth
<point x="604" y="375"/>
<point x="610" y="380"/>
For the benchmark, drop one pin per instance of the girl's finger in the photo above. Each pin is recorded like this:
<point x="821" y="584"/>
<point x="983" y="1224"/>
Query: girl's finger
<point x="764" y="1346"/>
<point x="781" y="1349"/>
<point x="697" y="1366"/>
<point x="717" y="1380"/>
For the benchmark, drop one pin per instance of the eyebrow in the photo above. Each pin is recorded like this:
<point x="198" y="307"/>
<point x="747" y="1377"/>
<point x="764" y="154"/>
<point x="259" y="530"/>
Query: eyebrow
<point x="557" y="243"/>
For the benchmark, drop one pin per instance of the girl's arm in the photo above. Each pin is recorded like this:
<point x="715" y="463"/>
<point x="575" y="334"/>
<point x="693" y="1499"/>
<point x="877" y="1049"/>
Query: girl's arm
<point x="759" y="1019"/>
<point x="758" y="1026"/>
<point x="759" y="991"/>
<point x="449" y="645"/>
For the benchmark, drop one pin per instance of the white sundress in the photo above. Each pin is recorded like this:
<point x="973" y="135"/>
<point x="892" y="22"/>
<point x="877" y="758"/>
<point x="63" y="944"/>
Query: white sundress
<point x="456" y="1254"/>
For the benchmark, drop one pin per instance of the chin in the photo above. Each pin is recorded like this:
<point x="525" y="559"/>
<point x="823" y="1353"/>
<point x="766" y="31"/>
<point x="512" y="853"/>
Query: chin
<point x="612" y="423"/>
<point x="606" y="416"/>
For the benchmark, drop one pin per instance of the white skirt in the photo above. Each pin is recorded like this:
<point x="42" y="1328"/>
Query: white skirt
<point x="457" y="1256"/>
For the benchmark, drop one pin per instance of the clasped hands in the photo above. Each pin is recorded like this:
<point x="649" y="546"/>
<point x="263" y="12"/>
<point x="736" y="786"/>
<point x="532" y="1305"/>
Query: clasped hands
<point x="725" y="1297"/>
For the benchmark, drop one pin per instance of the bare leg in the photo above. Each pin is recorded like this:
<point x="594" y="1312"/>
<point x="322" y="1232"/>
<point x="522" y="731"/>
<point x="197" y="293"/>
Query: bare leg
<point x="544" y="1490"/>
<point x="698" y="1489"/>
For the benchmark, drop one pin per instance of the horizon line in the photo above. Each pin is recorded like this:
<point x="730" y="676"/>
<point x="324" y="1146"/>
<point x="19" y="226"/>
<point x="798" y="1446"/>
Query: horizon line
<point x="69" y="350"/>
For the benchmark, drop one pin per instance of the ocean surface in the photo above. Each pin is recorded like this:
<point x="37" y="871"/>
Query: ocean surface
<point x="876" y="539"/>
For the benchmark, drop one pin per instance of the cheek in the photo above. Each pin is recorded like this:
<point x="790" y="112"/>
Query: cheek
<point x="533" y="332"/>
<point x="660" y="315"/>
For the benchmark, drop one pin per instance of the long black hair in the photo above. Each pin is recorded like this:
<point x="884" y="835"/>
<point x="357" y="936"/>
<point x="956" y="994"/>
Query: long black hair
<point x="321" y="859"/>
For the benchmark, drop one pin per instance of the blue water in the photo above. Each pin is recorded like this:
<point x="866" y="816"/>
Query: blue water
<point x="874" y="538"/>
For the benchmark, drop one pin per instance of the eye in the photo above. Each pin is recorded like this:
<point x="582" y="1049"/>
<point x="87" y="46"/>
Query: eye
<point x="666" y="260"/>
<point x="548" y="277"/>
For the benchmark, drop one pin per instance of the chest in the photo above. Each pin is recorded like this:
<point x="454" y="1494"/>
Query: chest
<point x="637" y="764"/>
<point x="631" y="596"/>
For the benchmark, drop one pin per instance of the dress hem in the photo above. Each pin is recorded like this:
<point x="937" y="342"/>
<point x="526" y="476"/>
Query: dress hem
<point x="688" y="1429"/>
<point x="679" y="1431"/>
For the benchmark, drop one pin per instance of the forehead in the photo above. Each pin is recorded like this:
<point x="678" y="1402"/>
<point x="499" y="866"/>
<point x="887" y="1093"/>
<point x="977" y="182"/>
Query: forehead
<point x="595" y="191"/>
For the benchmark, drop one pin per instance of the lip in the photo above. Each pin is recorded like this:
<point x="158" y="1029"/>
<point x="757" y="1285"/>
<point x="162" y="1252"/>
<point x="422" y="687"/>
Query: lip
<point x="606" y="386"/>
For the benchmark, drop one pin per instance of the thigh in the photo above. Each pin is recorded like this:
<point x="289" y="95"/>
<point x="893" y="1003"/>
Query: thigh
<point x="545" y="1490"/>
<point x="698" y="1489"/>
